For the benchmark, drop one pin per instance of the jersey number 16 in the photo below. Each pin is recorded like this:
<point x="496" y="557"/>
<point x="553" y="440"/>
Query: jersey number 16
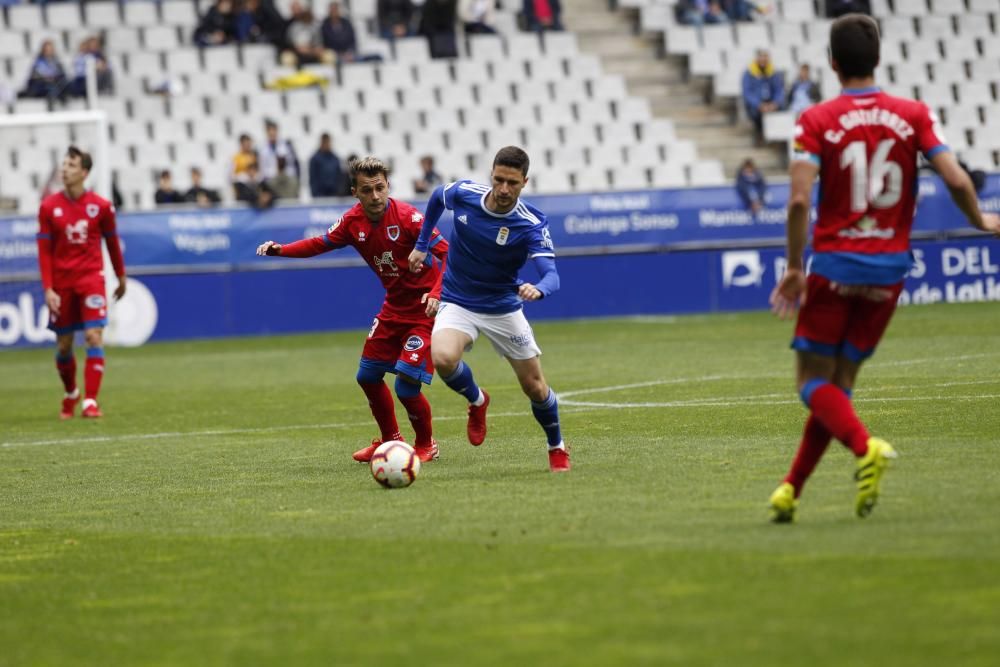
<point x="878" y="183"/>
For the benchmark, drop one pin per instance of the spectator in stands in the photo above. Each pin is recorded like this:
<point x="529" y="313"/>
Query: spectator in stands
<point x="243" y="158"/>
<point x="395" y="18"/>
<point x="259" y="21"/>
<point x="273" y="148"/>
<point x="165" y="193"/>
<point x="198" y="194"/>
<point x="47" y="77"/>
<point x="835" y="8"/>
<point x="763" y="90"/>
<point x="698" y="12"/>
<point x="437" y="23"/>
<point x="325" y="171"/>
<point x="477" y="16"/>
<point x="217" y="26"/>
<point x="254" y="190"/>
<point x="751" y="186"/>
<point x="429" y="178"/>
<point x="284" y="185"/>
<point x="305" y="45"/>
<point x="90" y="51"/>
<point x="803" y="93"/>
<point x="338" y="34"/>
<point x="542" y="14"/>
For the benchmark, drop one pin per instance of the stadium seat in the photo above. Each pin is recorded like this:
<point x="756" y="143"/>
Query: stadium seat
<point x="221" y="59"/>
<point x="644" y="154"/>
<point x="183" y="60"/>
<point x="524" y="45"/>
<point x="779" y="126"/>
<point x="630" y="178"/>
<point x="797" y="10"/>
<point x="13" y="44"/>
<point x="62" y="16"/>
<point x="566" y="158"/>
<point x="140" y="14"/>
<point x="25" y="17"/>
<point x="101" y="14"/>
<point x="160" y="38"/>
<point x="681" y="151"/>
<point x="179" y="13"/>
<point x="633" y="109"/>
<point x="705" y="173"/>
<point x="550" y="181"/>
<point x="594" y="111"/>
<point x="935" y="27"/>
<point x="134" y="132"/>
<point x="486" y="47"/>
<point x="592" y="179"/>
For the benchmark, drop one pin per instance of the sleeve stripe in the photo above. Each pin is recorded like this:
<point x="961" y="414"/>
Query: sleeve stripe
<point x="327" y="241"/>
<point x="940" y="148"/>
<point x="43" y="236"/>
<point x="437" y="239"/>
<point x="542" y="254"/>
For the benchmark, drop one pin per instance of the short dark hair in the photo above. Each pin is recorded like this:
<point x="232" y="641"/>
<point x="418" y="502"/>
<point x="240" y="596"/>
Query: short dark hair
<point x="325" y="137"/>
<point x="244" y="137"/>
<point x="513" y="157"/>
<point x="165" y="173"/>
<point x="854" y="45"/>
<point x="369" y="166"/>
<point x="86" y="162"/>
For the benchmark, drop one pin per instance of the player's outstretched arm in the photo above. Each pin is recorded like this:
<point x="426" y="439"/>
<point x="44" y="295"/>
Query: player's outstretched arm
<point x="963" y="192"/>
<point x="435" y="207"/>
<point x="789" y="293"/>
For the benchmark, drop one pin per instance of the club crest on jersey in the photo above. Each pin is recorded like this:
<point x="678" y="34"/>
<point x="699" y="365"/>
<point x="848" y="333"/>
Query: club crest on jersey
<point x="77" y="232"/>
<point x="392" y="231"/>
<point x="413" y="343"/>
<point x="502" y="236"/>
<point x="57" y="212"/>
<point x="93" y="210"/>
<point x="385" y="260"/>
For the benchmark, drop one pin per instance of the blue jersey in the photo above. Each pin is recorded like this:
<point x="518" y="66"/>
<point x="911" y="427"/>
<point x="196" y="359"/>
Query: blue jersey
<point x="487" y="250"/>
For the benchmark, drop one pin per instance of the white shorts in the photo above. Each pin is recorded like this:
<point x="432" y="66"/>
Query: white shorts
<point x="510" y="333"/>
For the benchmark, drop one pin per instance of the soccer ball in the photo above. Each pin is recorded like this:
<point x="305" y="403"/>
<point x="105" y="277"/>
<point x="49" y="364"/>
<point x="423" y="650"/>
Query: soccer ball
<point x="395" y="464"/>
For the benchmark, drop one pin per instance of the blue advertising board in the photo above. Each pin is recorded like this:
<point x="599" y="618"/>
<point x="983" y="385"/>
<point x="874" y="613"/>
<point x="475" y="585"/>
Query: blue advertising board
<point x="194" y="273"/>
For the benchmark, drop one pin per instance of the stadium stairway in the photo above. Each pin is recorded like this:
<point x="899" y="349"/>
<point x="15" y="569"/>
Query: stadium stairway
<point x="612" y="34"/>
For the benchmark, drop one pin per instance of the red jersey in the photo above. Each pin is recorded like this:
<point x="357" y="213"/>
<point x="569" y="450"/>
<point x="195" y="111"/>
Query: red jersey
<point x="866" y="143"/>
<point x="385" y="246"/>
<point x="69" y="239"/>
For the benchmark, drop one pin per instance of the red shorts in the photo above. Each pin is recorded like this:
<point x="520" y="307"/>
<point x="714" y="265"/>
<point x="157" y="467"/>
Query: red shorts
<point x="84" y="306"/>
<point x="396" y="346"/>
<point x="844" y="320"/>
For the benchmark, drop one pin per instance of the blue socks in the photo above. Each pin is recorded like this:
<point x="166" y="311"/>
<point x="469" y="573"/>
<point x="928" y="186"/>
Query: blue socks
<point x="547" y="414"/>
<point x="462" y="382"/>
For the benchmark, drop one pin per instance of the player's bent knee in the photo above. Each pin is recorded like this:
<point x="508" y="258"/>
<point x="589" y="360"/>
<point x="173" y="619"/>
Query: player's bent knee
<point x="369" y="375"/>
<point x="406" y="388"/>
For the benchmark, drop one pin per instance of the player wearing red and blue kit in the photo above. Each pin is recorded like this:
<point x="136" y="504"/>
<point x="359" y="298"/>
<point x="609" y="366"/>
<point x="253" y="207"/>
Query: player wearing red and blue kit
<point x="72" y="224"/>
<point x="864" y="146"/>
<point x="383" y="231"/>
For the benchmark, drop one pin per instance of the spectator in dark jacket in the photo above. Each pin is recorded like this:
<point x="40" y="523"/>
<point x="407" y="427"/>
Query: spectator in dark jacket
<point x="47" y="77"/>
<point x="198" y="194"/>
<point x="751" y="186"/>
<point x="217" y="26"/>
<point x="803" y="93"/>
<point x="338" y="34"/>
<point x="763" y="90"/>
<point x="165" y="193"/>
<point x="835" y="8"/>
<point x="395" y="18"/>
<point x="259" y="21"/>
<point x="437" y="22"/>
<point x="325" y="171"/>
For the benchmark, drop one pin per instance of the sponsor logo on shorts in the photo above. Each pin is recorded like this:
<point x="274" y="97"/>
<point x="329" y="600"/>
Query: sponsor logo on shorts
<point x="392" y="231"/>
<point x="521" y="340"/>
<point x="413" y="343"/>
<point x="94" y="301"/>
<point x="502" y="236"/>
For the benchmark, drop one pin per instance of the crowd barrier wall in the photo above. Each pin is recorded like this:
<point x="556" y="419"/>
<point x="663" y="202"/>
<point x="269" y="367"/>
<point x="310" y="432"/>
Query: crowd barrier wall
<point x="193" y="273"/>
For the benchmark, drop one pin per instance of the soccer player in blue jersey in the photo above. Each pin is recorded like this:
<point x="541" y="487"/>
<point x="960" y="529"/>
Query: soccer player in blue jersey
<point x="495" y="235"/>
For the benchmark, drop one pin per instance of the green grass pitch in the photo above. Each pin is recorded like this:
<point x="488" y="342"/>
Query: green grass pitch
<point x="215" y="517"/>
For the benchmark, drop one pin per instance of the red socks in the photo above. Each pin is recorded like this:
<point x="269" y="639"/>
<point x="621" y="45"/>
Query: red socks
<point x="93" y="373"/>
<point x="831" y="406"/>
<point x="67" y="372"/>
<point x="815" y="440"/>
<point x="383" y="409"/>
<point x="418" y="409"/>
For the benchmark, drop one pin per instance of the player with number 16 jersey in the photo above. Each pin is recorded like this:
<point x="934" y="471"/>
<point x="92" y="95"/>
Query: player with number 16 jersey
<point x="866" y="143"/>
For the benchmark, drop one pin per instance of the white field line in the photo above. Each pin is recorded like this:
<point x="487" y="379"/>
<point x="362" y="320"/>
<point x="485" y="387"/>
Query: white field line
<point x="565" y="400"/>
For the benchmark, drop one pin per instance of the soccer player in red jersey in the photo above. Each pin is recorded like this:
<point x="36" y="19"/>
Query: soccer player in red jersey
<point x="383" y="231"/>
<point x="864" y="146"/>
<point x="71" y="225"/>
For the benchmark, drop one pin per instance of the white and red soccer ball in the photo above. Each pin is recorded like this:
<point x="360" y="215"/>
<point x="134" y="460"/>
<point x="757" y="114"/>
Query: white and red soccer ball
<point x="395" y="464"/>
